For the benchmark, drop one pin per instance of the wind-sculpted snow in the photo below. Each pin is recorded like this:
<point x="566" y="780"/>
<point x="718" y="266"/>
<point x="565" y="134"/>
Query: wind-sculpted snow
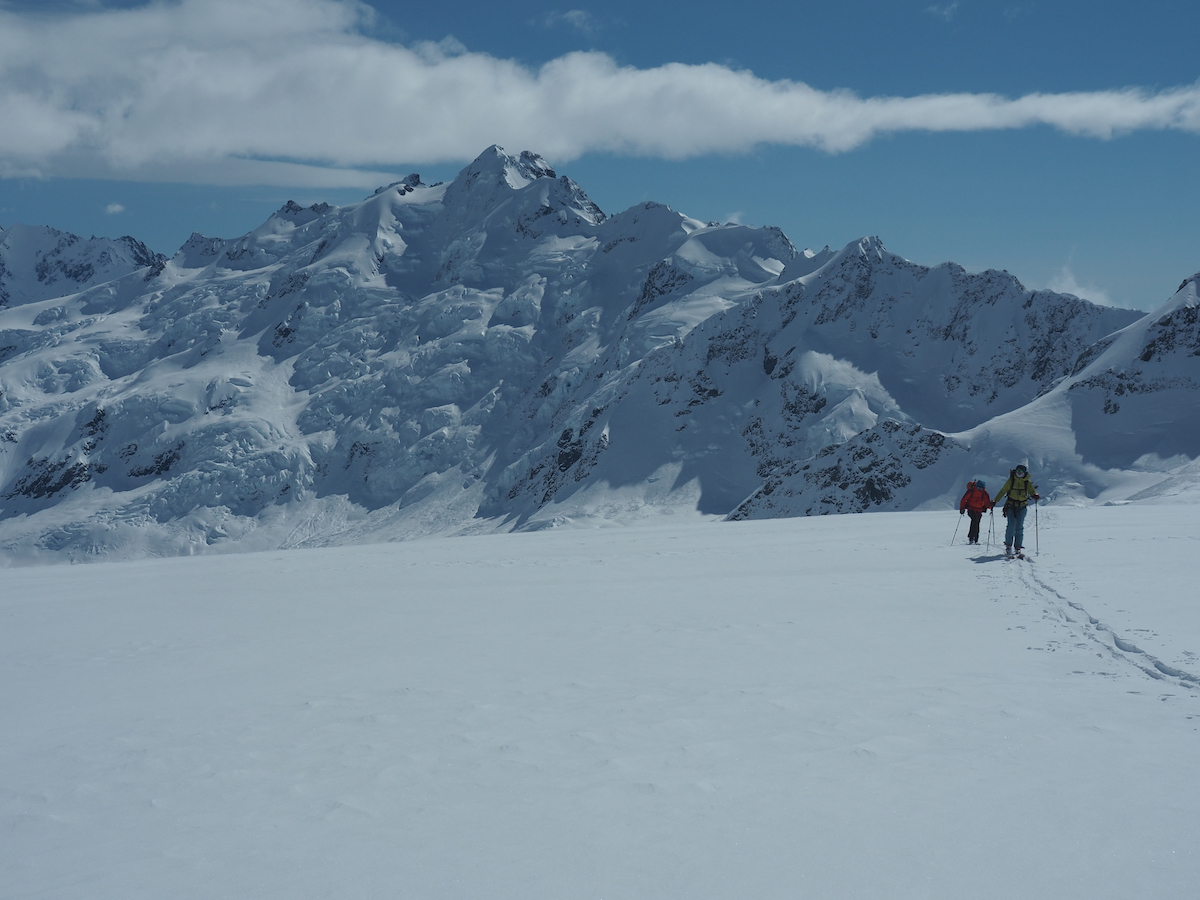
<point x="497" y="353"/>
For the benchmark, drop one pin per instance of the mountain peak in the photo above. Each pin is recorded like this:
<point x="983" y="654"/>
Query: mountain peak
<point x="406" y="184"/>
<point x="494" y="167"/>
<point x="871" y="246"/>
<point x="292" y="208"/>
<point x="198" y="251"/>
<point x="301" y="215"/>
<point x="495" y="176"/>
<point x="39" y="262"/>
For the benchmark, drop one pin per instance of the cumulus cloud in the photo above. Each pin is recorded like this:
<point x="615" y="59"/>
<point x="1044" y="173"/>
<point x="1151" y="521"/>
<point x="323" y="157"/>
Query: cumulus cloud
<point x="114" y="209"/>
<point x="293" y="92"/>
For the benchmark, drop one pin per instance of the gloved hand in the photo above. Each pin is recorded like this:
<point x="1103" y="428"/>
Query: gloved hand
<point x="962" y="512"/>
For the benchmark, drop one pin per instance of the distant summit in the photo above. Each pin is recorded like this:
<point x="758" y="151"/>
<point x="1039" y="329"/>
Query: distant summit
<point x="493" y="165"/>
<point x="39" y="263"/>
<point x="496" y="179"/>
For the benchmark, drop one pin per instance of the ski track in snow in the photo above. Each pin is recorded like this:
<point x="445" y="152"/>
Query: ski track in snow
<point x="1078" y="618"/>
<point x="1086" y="627"/>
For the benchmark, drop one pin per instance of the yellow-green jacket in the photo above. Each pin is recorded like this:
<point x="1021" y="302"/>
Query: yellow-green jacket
<point x="1018" y="489"/>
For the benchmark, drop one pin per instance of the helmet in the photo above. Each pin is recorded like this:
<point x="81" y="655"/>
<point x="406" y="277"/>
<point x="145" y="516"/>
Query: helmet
<point x="1021" y="470"/>
<point x="980" y="483"/>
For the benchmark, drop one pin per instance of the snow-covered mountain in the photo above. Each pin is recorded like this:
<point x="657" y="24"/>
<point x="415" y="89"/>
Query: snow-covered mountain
<point x="1125" y="416"/>
<point x="497" y="353"/>
<point x="42" y="263"/>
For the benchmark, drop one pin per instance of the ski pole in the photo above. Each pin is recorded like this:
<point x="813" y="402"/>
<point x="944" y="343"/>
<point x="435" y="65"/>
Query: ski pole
<point x="991" y="528"/>
<point x="960" y="518"/>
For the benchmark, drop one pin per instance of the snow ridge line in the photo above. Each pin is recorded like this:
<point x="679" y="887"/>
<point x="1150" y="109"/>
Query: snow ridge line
<point x="1120" y="649"/>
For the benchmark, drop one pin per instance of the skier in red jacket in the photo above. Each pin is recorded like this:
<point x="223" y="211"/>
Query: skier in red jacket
<point x="974" y="502"/>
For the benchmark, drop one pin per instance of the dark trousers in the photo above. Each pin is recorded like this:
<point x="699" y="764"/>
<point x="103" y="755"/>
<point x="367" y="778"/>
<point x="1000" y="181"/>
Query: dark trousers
<point x="973" y="531"/>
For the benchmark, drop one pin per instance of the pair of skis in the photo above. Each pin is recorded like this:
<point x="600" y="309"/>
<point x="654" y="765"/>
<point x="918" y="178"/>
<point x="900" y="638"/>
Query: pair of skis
<point x="1020" y="554"/>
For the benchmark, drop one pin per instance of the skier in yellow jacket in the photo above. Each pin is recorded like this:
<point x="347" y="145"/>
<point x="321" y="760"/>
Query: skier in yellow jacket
<point x="1019" y="490"/>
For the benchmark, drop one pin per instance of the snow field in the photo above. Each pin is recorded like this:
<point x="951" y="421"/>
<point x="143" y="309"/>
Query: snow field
<point x="828" y="707"/>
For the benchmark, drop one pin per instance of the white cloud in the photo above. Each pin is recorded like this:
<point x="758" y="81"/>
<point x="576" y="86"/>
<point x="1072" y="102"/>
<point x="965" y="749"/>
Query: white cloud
<point x="1065" y="282"/>
<point x="577" y="19"/>
<point x="291" y="92"/>
<point x="114" y="209"/>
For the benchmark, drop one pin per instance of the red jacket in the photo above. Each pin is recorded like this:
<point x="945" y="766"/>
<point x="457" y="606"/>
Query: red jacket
<point x="976" y="499"/>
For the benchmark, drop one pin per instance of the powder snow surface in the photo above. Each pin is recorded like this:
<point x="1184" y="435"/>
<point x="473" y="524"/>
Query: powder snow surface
<point x="832" y="707"/>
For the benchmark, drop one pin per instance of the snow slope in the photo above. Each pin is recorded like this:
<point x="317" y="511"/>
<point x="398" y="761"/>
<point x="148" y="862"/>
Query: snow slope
<point x="834" y="707"/>
<point x="1138" y="395"/>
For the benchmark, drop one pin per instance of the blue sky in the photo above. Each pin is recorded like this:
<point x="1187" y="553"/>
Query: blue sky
<point x="1057" y="140"/>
